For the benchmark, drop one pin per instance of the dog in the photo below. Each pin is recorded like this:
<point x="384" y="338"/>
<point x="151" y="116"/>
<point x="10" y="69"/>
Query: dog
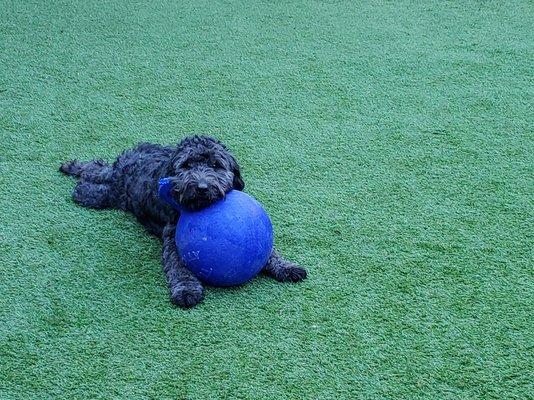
<point x="201" y="171"/>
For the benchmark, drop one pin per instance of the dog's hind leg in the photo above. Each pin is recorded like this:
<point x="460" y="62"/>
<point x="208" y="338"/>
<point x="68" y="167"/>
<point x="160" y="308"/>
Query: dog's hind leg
<point x="96" y="171"/>
<point x="93" y="195"/>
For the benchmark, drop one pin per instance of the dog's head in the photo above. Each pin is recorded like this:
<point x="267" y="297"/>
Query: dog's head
<point x="202" y="172"/>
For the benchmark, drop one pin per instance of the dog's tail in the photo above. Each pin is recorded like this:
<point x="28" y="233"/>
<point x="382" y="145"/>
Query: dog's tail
<point x="91" y="168"/>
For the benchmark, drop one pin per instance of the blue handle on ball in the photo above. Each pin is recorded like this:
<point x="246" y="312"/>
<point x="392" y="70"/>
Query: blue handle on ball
<point x="164" y="192"/>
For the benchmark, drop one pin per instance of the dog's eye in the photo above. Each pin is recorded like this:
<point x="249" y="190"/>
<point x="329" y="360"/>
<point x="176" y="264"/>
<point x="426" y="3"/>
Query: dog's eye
<point x="186" y="165"/>
<point x="214" y="164"/>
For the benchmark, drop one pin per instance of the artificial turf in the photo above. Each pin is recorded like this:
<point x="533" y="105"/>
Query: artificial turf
<point x="391" y="142"/>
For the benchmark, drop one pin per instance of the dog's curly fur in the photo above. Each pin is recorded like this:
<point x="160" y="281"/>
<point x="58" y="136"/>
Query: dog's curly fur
<point x="202" y="171"/>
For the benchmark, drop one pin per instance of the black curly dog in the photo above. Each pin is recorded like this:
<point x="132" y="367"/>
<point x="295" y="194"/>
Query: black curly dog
<point x="202" y="171"/>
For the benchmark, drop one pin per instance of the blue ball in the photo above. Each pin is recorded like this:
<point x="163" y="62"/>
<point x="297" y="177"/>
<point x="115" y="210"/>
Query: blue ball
<point x="226" y="243"/>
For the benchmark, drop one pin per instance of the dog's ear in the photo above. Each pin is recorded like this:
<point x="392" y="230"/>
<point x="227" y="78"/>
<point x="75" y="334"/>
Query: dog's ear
<point x="178" y="156"/>
<point x="238" y="183"/>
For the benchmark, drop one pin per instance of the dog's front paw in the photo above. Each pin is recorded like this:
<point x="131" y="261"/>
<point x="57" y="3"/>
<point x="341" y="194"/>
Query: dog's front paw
<point x="187" y="295"/>
<point x="290" y="273"/>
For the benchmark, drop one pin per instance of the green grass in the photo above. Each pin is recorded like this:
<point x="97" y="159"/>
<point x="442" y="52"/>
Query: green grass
<point x="391" y="142"/>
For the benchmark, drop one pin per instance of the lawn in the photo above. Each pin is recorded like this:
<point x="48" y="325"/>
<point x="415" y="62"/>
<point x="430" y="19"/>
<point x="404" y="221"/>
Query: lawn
<point x="392" y="144"/>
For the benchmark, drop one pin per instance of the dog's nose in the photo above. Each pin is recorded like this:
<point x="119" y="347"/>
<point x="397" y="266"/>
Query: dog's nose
<point x="202" y="186"/>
